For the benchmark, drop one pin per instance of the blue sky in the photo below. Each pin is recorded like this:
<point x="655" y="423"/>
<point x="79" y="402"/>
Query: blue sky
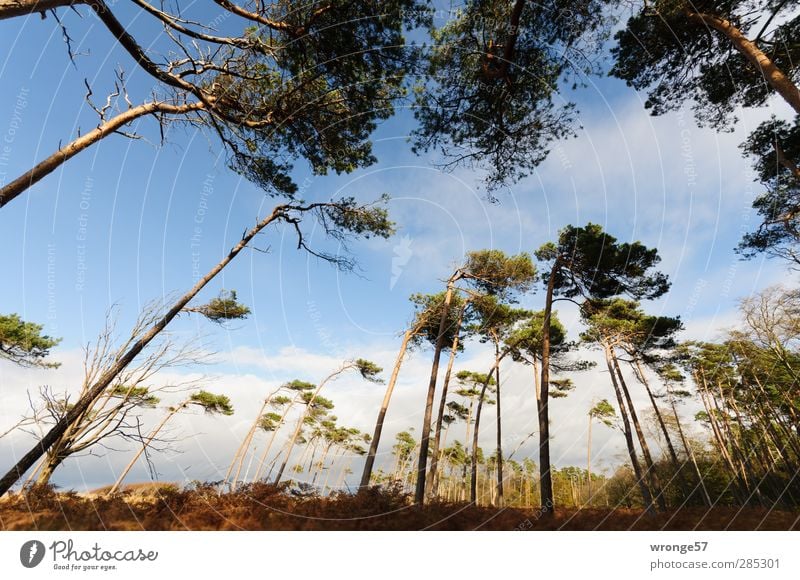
<point x="117" y="226"/>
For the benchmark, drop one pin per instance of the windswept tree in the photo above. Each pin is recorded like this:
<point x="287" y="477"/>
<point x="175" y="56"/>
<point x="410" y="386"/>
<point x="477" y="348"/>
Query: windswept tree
<point x="586" y="263"/>
<point x="368" y="370"/>
<point x="272" y="422"/>
<point x="424" y="327"/>
<point x="263" y="419"/>
<point x="671" y="376"/>
<point x="489" y="272"/>
<point x="116" y="413"/>
<point x="211" y="404"/>
<point x="280" y="81"/>
<point x="611" y="323"/>
<point x="339" y="219"/>
<point x="23" y="343"/>
<point x="491" y="77"/>
<point x="495" y="323"/>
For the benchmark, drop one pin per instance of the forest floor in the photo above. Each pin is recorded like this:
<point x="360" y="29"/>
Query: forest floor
<point x="266" y="507"/>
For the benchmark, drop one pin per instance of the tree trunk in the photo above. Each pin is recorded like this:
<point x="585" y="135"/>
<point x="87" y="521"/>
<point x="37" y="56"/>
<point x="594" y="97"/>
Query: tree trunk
<point x="106" y="128"/>
<point x="689" y="452"/>
<point x="589" y="461"/>
<point x="241" y="452"/>
<point x="500" y="498"/>
<point x="673" y="456"/>
<point x="121" y="363"/>
<point x="47" y="469"/>
<point x="545" y="477"/>
<point x="263" y="459"/>
<point x="637" y="469"/>
<point x="433" y="476"/>
<point x="15" y="8"/>
<point x="303" y="416"/>
<point x="648" y="458"/>
<point x="473" y="492"/>
<point x="422" y="464"/>
<point x="387" y="397"/>
<point x="741" y="487"/>
<point x="773" y="75"/>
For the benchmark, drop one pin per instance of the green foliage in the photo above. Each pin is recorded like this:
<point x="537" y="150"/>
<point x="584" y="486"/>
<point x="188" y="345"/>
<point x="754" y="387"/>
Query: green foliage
<point x="347" y="215"/>
<point x="494" y="273"/>
<point x="774" y="148"/>
<point x="298" y="385"/>
<point x="369" y="370"/>
<point x="590" y="263"/>
<point x="140" y="396"/>
<point x="473" y="379"/>
<point x="224" y="307"/>
<point x="622" y="322"/>
<point x="560" y="388"/>
<point x="666" y="48"/>
<point x="23" y="342"/>
<point x="316" y="90"/>
<point x="404" y="446"/>
<point x="319" y="405"/>
<point x="427" y="316"/>
<point x="211" y="403"/>
<point x="269" y="421"/>
<point x="604" y="412"/>
<point x="494" y="319"/>
<point x="491" y="79"/>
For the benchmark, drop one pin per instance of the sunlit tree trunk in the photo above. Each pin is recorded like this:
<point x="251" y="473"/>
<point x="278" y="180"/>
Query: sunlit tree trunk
<point x="773" y="75"/>
<point x="648" y="458"/>
<point x="241" y="452"/>
<point x="589" y="461"/>
<point x="369" y="464"/>
<point x="637" y="470"/>
<point x="689" y="452"/>
<point x="433" y="475"/>
<point x="500" y="497"/>
<point x="422" y="467"/>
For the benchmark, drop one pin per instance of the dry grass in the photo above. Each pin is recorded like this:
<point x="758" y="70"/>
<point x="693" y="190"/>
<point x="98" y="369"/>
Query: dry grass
<point x="266" y="507"/>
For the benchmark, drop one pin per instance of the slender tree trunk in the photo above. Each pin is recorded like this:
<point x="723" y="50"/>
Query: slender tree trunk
<point x="303" y="416"/>
<point x="637" y="469"/>
<point x="689" y="452"/>
<point x="500" y="498"/>
<point x="265" y="453"/>
<point x="387" y="397"/>
<point x="71" y="149"/>
<point x="643" y="379"/>
<point x="321" y="464"/>
<point x="741" y="487"/>
<point x="648" y="458"/>
<point x="473" y="492"/>
<point x="122" y="362"/>
<point x="241" y="452"/>
<point x="545" y="477"/>
<point x="589" y="461"/>
<point x="433" y="475"/>
<point x="773" y="75"/>
<point x="149" y="440"/>
<point x="466" y="443"/>
<point x="422" y="466"/>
